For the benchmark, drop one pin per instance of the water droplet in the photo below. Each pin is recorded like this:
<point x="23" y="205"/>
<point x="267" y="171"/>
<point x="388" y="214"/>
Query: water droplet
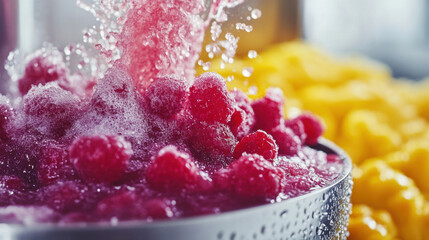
<point x="256" y="13"/>
<point x="247" y="72"/>
<point x="252" y="54"/>
<point x="253" y="90"/>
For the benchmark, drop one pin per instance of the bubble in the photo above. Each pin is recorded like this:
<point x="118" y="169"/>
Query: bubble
<point x="247" y="72"/>
<point x="256" y="13"/>
<point x="252" y="54"/>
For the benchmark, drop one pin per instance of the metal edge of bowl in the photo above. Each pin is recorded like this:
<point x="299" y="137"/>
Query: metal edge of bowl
<point x="228" y="225"/>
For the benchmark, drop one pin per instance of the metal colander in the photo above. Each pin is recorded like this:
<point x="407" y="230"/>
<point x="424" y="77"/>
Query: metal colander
<point x="321" y="214"/>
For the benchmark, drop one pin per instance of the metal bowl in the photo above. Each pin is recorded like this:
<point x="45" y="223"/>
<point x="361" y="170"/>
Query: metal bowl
<point x="321" y="214"/>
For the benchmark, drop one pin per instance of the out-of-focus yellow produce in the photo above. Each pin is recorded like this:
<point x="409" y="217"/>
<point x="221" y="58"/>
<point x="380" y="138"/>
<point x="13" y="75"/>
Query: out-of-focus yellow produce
<point x="381" y="122"/>
<point x="366" y="223"/>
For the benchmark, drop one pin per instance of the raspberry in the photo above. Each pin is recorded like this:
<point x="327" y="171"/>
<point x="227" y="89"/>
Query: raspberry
<point x="289" y="144"/>
<point x="166" y="96"/>
<point x="50" y="109"/>
<point x="243" y="118"/>
<point x="45" y="65"/>
<point x="312" y="126"/>
<point x="209" y="99"/>
<point x="12" y="190"/>
<point x="212" y="141"/>
<point x="259" y="143"/>
<point x="64" y="196"/>
<point x="53" y="165"/>
<point x="159" y="208"/>
<point x="100" y="158"/>
<point x="221" y="179"/>
<point x="124" y="205"/>
<point x="254" y="178"/>
<point x="297" y="127"/>
<point x="114" y="94"/>
<point x="269" y="109"/>
<point x="6" y="113"/>
<point x="173" y="170"/>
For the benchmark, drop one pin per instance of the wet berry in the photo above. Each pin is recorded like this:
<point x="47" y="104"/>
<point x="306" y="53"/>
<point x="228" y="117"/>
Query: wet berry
<point x="173" y="170"/>
<point x="159" y="208"/>
<point x="253" y="177"/>
<point x="166" y="96"/>
<point x="297" y="127"/>
<point x="243" y="118"/>
<point x="53" y="164"/>
<point x="42" y="67"/>
<point x="289" y="144"/>
<point x="6" y="113"/>
<point x="312" y="126"/>
<point x="259" y="143"/>
<point x="64" y="196"/>
<point x="211" y="141"/>
<point x="209" y="100"/>
<point x="269" y="109"/>
<point x="100" y="158"/>
<point x="12" y="190"/>
<point x="124" y="205"/>
<point x="50" y="109"/>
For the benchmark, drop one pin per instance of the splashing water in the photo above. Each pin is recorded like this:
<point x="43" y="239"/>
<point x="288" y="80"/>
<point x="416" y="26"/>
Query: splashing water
<point x="152" y="39"/>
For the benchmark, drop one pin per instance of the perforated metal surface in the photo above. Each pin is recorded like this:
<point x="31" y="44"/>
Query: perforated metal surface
<point x="321" y="214"/>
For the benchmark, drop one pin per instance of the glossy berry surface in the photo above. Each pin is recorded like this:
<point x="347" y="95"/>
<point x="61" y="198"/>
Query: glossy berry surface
<point x="100" y="158"/>
<point x="209" y="99"/>
<point x="312" y="126"/>
<point x="259" y="143"/>
<point x="166" y="96"/>
<point x="42" y="67"/>
<point x="174" y="170"/>
<point x="269" y="109"/>
<point x="288" y="142"/>
<point x="254" y="177"/>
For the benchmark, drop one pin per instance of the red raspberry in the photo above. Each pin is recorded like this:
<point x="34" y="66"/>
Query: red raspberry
<point x="243" y="118"/>
<point x="312" y="126"/>
<point x="64" y="196"/>
<point x="209" y="99"/>
<point x="174" y="170"/>
<point x="269" y="109"/>
<point x="166" y="96"/>
<point x="100" y="158"/>
<point x="259" y="143"/>
<point x="212" y="141"/>
<point x="115" y="94"/>
<point x="45" y="65"/>
<point x="221" y="179"/>
<point x="289" y="144"/>
<point x="297" y="127"/>
<point x="6" y="113"/>
<point x="159" y="208"/>
<point x="12" y="191"/>
<point x="50" y="109"/>
<point x="53" y="165"/>
<point x="124" y="205"/>
<point x="254" y="178"/>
